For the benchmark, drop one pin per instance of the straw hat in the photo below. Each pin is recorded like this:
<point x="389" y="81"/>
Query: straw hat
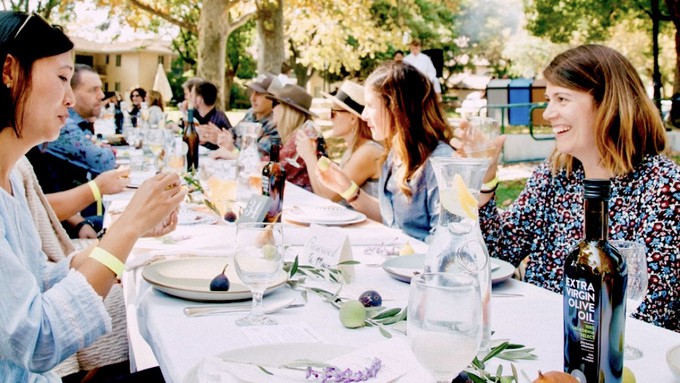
<point x="350" y="97"/>
<point x="261" y="83"/>
<point x="294" y="96"/>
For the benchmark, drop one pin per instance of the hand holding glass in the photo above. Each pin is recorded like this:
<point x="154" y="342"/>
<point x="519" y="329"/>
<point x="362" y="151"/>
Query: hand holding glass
<point x="258" y="260"/>
<point x="638" y="279"/>
<point x="480" y="137"/>
<point x="444" y="326"/>
<point x="310" y="130"/>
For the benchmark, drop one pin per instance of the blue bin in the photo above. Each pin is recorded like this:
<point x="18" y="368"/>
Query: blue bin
<point x="519" y="92"/>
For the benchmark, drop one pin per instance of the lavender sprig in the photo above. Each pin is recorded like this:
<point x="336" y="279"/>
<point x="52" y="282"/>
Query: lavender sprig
<point x="335" y="375"/>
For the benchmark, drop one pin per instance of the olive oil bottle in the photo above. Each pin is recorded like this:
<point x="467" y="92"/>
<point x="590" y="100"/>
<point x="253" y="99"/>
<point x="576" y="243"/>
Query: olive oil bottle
<point x="594" y="296"/>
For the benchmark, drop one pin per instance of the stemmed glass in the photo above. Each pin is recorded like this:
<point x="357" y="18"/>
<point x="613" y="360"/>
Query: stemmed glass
<point x="258" y="260"/>
<point x="310" y="130"/>
<point x="638" y="278"/>
<point x="444" y="326"/>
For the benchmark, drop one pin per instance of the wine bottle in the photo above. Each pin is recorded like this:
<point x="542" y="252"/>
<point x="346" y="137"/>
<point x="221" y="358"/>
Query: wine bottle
<point x="192" y="140"/>
<point x="594" y="296"/>
<point x="275" y="182"/>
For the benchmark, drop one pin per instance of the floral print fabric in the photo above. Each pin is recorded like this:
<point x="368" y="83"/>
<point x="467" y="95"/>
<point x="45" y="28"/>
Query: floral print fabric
<point x="546" y="222"/>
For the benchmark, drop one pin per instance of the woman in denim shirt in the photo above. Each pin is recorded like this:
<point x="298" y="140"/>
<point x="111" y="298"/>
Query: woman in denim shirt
<point x="402" y="111"/>
<point x="49" y="311"/>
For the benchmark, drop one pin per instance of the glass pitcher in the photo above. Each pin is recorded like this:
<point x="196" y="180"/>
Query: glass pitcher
<point x="457" y="244"/>
<point x="248" y="164"/>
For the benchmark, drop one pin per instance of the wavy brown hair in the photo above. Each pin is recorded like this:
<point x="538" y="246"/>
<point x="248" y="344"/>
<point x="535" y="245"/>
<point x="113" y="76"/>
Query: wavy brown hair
<point x="627" y="124"/>
<point x="416" y="122"/>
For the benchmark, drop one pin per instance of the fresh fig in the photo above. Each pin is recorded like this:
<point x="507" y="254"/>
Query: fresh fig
<point x="370" y="298"/>
<point x="220" y="282"/>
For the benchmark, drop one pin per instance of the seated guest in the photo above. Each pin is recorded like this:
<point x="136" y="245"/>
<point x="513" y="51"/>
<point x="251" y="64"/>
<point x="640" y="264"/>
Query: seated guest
<point x="362" y="160"/>
<point x="210" y="119"/>
<point x="261" y="112"/>
<point x="137" y="97"/>
<point x="291" y="112"/>
<point x="188" y="88"/>
<point x="110" y="349"/>
<point x="156" y="108"/>
<point x="402" y="111"/>
<point x="605" y="127"/>
<point x="74" y="157"/>
<point x="54" y="309"/>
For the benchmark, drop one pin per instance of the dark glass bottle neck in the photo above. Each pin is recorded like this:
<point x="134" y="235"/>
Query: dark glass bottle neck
<point x="596" y="219"/>
<point x="274" y="153"/>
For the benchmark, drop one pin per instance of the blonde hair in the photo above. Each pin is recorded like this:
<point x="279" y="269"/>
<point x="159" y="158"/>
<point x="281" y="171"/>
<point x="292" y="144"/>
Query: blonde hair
<point x="290" y="120"/>
<point x="154" y="97"/>
<point x="627" y="124"/>
<point x="416" y="121"/>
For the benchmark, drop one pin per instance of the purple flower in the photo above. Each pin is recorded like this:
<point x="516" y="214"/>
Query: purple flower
<point x="334" y="375"/>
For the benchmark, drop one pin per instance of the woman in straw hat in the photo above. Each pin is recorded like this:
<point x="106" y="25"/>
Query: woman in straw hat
<point x="291" y="113"/>
<point x="401" y="110"/>
<point x="362" y="159"/>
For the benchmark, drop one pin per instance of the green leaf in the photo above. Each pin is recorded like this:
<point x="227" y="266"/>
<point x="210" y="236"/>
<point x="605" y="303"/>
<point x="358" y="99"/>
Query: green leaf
<point x="514" y="372"/>
<point x="499" y="371"/>
<point x="384" y="332"/>
<point x="387" y="313"/>
<point x="475" y="378"/>
<point x="294" y="267"/>
<point x="264" y="370"/>
<point x="477" y="363"/>
<point x="495" y="351"/>
<point x="344" y="263"/>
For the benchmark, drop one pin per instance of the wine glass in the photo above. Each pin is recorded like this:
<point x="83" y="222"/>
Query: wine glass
<point x="636" y="260"/>
<point x="444" y="326"/>
<point x="310" y="130"/>
<point x="258" y="260"/>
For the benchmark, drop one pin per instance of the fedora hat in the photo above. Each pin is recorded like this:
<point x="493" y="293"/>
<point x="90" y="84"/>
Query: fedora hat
<point x="295" y="97"/>
<point x="261" y="82"/>
<point x="350" y="97"/>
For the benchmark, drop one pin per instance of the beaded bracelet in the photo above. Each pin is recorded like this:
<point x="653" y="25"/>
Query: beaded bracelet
<point x="109" y="260"/>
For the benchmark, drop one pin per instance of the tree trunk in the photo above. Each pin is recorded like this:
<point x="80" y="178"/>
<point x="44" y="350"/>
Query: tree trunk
<point x="674" y="13"/>
<point x="270" y="36"/>
<point x="212" y="46"/>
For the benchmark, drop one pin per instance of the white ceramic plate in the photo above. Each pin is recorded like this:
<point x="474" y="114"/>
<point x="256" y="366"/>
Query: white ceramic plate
<point x="404" y="267"/>
<point x="189" y="278"/>
<point x="323" y="215"/>
<point x="275" y="355"/>
<point x="192" y="217"/>
<point x="673" y="360"/>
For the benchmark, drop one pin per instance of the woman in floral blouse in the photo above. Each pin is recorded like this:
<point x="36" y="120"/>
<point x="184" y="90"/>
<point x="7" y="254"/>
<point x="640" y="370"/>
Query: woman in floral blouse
<point x="605" y="127"/>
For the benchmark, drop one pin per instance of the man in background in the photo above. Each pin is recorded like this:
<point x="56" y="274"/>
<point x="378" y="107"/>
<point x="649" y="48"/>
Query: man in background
<point x="211" y="121"/>
<point x="423" y="63"/>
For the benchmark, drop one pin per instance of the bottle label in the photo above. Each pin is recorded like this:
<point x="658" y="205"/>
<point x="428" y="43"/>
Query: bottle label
<point x="581" y="300"/>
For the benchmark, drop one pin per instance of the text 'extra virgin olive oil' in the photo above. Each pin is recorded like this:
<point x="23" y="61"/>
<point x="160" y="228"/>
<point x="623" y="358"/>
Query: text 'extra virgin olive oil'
<point x="594" y="294"/>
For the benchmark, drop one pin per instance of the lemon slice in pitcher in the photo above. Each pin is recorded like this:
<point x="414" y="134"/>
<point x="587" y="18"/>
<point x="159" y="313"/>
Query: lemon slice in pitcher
<point x="459" y="200"/>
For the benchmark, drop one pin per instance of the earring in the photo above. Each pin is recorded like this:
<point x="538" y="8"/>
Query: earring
<point x="9" y="85"/>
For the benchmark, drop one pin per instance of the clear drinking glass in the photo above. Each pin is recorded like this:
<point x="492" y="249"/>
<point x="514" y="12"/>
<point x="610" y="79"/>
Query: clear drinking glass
<point x="258" y="260"/>
<point x="444" y="326"/>
<point x="312" y="132"/>
<point x="480" y="137"/>
<point x="638" y="278"/>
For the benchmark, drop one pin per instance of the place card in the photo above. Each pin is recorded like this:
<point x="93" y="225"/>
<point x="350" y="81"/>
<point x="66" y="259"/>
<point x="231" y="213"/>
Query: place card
<point x="293" y="333"/>
<point x="328" y="247"/>
<point x="256" y="209"/>
<point x="395" y="356"/>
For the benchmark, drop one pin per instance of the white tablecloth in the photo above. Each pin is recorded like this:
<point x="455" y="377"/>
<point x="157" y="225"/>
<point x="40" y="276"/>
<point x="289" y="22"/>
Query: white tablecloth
<point x="533" y="319"/>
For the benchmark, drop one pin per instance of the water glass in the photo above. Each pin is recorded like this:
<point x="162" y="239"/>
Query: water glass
<point x="259" y="261"/>
<point x="444" y="326"/>
<point x="638" y="278"/>
<point x="480" y="137"/>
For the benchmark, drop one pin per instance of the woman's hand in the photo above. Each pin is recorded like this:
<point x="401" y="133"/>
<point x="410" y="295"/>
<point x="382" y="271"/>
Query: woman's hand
<point x="305" y="146"/>
<point x="167" y="226"/>
<point x="113" y="181"/>
<point x="334" y="178"/>
<point x="154" y="204"/>
<point x="208" y="133"/>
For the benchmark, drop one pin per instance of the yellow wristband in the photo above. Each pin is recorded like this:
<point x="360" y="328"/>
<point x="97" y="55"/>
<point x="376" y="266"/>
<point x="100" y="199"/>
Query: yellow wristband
<point x="235" y="151"/>
<point x="109" y="260"/>
<point x="97" y="196"/>
<point x="491" y="185"/>
<point x="351" y="190"/>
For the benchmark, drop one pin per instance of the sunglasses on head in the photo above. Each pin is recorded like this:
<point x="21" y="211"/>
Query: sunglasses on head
<point x="31" y="16"/>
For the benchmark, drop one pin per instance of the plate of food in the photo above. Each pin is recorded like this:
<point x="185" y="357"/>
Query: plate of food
<point x="323" y="215"/>
<point x="189" y="278"/>
<point x="404" y="267"/>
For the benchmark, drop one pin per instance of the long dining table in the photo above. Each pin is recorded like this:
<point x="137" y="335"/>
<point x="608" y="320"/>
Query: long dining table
<point x="520" y="312"/>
